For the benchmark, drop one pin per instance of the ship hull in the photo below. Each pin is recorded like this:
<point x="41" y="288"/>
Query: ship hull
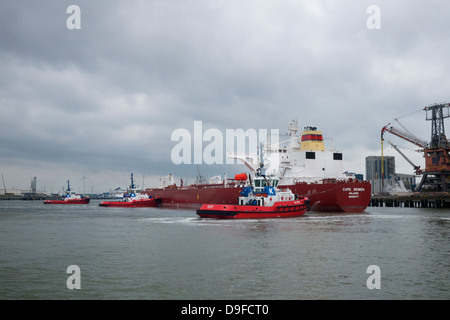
<point x="72" y="201"/>
<point x="329" y="196"/>
<point x="288" y="209"/>
<point x="351" y="197"/>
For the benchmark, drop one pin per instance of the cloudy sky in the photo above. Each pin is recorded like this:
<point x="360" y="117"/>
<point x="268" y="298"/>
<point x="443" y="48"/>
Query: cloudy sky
<point x="102" y="101"/>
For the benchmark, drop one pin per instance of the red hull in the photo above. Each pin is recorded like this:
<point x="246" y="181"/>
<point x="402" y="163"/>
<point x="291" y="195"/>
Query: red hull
<point x="72" y="201"/>
<point x="329" y="196"/>
<point x="287" y="209"/>
<point x="351" y="197"/>
<point x="154" y="202"/>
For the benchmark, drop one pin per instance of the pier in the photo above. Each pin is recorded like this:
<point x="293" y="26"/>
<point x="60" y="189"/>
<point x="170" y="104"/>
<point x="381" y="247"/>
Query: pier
<point x="412" y="200"/>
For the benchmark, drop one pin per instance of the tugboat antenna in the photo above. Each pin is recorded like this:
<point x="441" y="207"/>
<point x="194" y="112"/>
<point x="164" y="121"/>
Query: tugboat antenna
<point x="132" y="182"/>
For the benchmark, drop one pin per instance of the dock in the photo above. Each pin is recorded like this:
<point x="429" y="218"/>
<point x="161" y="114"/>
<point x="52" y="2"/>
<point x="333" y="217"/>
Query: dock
<point x="412" y="200"/>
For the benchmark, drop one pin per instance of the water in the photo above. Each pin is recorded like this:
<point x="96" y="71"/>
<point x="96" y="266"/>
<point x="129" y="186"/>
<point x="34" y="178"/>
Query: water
<point x="159" y="254"/>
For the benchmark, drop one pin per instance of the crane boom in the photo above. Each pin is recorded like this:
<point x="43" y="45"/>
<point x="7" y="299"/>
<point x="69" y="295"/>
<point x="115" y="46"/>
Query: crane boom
<point x="436" y="175"/>
<point x="4" y="185"/>
<point x="416" y="168"/>
<point x="404" y="135"/>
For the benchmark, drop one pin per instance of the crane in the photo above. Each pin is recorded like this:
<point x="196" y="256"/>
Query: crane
<point x="404" y="134"/>
<point x="436" y="176"/>
<point x="416" y="168"/>
<point x="4" y="185"/>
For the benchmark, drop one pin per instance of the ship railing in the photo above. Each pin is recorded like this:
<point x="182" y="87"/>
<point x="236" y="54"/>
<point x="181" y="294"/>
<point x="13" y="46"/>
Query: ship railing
<point x="229" y="183"/>
<point x="327" y="180"/>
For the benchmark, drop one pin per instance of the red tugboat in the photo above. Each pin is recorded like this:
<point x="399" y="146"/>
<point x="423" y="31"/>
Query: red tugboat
<point x="133" y="199"/>
<point x="261" y="200"/>
<point x="70" y="198"/>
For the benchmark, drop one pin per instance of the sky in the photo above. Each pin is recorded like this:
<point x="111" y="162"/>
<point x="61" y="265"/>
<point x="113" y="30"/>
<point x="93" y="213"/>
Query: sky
<point x="94" y="104"/>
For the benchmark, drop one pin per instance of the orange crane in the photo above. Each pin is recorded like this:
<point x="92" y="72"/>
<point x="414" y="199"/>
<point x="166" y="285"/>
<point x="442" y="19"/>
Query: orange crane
<point x="404" y="134"/>
<point x="436" y="176"/>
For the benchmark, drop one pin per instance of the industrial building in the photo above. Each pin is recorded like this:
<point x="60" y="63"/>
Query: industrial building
<point x="393" y="181"/>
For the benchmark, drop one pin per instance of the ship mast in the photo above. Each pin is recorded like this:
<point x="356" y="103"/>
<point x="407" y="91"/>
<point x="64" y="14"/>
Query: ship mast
<point x="292" y="132"/>
<point x="261" y="171"/>
<point x="132" y="183"/>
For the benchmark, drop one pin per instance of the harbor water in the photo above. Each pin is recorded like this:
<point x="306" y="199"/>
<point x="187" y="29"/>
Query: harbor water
<point x="172" y="254"/>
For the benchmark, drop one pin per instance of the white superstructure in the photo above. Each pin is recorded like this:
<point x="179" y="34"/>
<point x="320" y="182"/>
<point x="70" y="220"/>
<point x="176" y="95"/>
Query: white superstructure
<point x="301" y="158"/>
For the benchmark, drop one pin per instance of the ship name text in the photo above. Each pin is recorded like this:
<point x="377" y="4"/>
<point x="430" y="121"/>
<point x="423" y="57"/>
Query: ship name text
<point x="353" y="192"/>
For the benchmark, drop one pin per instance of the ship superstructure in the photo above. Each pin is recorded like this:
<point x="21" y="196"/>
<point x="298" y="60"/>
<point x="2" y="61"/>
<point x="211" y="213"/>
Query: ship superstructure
<point x="302" y="158"/>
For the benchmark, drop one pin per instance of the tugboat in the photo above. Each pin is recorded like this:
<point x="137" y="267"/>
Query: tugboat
<point x="133" y="199"/>
<point x="69" y="198"/>
<point x="262" y="199"/>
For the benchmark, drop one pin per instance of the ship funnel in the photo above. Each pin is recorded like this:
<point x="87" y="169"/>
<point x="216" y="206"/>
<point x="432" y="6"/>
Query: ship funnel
<point x="312" y="140"/>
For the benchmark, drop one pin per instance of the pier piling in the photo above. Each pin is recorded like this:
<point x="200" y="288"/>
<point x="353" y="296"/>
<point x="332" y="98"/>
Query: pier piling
<point x="412" y="200"/>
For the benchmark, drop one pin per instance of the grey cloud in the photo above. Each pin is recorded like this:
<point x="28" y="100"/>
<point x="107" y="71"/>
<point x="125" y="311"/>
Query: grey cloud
<point x="137" y="70"/>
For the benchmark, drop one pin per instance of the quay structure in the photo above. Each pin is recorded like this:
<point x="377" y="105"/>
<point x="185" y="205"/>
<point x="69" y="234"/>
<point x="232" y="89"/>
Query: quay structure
<point x="412" y="200"/>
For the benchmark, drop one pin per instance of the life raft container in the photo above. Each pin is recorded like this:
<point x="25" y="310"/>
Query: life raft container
<point x="241" y="176"/>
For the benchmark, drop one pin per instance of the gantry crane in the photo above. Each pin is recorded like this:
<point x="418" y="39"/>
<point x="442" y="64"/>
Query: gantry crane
<point x="436" y="175"/>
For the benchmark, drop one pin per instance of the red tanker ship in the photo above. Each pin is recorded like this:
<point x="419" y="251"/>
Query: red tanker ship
<point x="305" y="167"/>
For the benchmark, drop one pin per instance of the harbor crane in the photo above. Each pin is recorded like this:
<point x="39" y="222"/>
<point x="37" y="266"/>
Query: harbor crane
<point x="436" y="175"/>
<point x="416" y="168"/>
